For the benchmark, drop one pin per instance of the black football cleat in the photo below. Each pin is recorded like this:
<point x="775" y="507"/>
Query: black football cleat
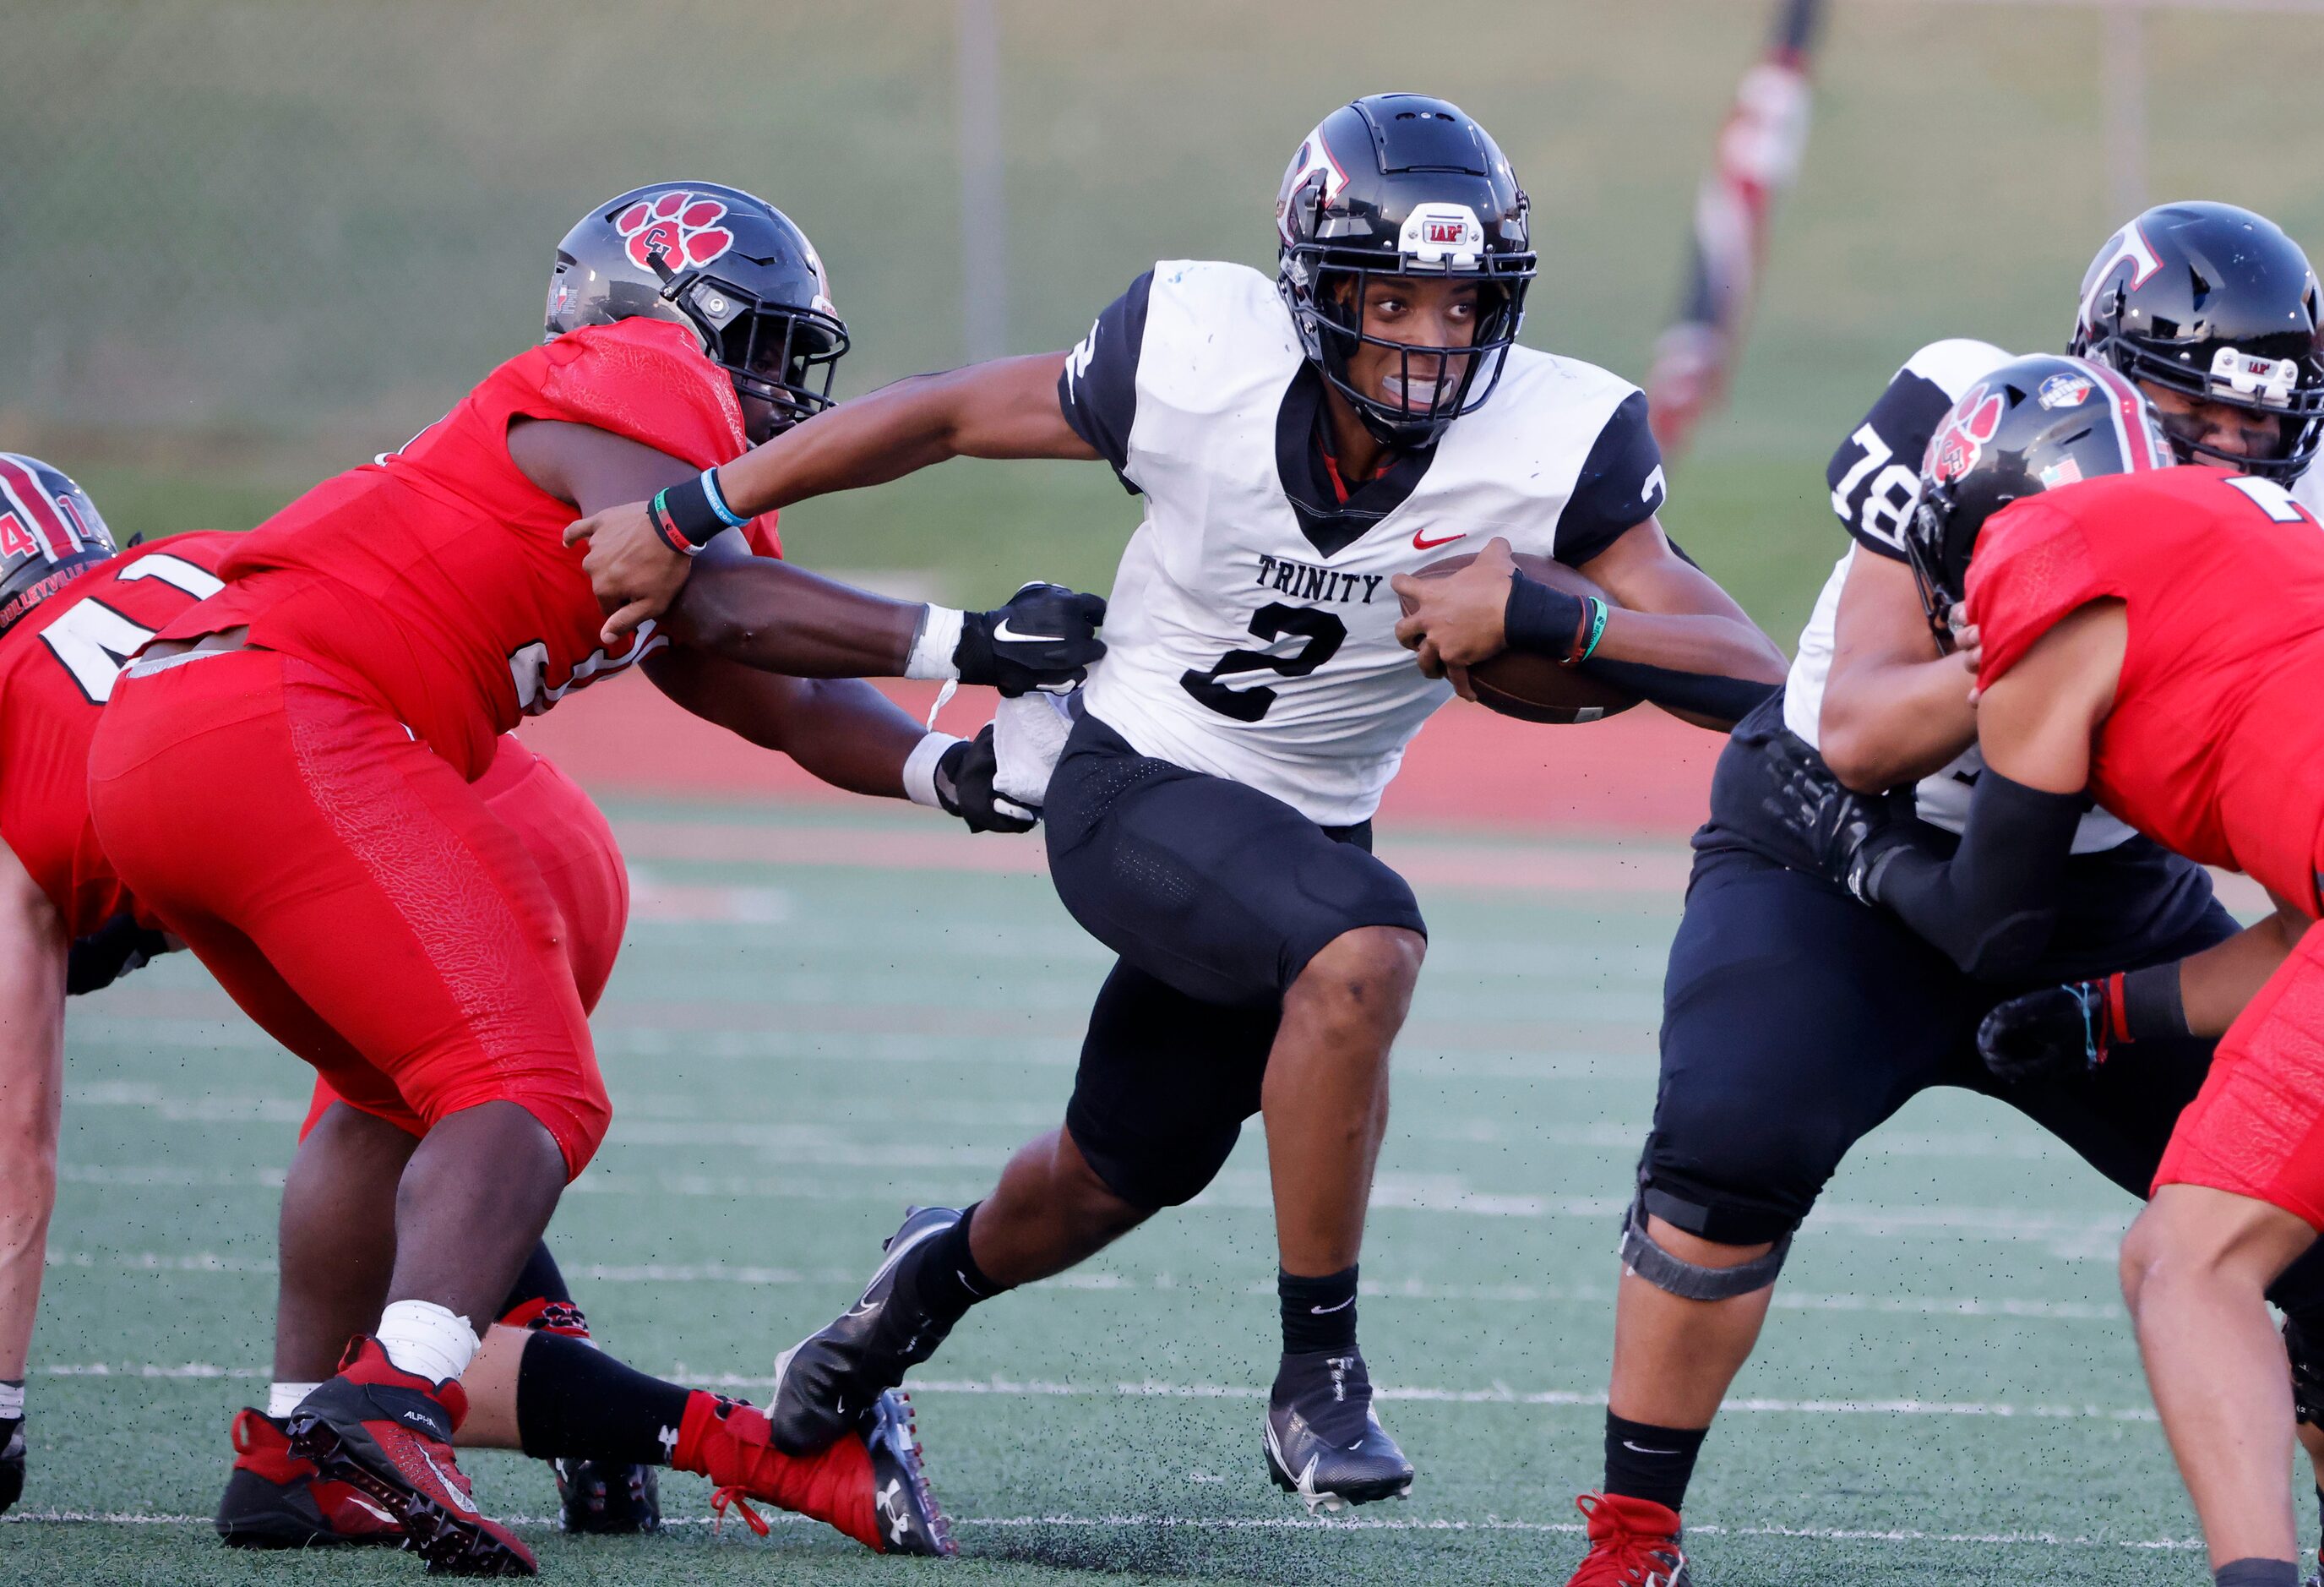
<point x="825" y="1384"/>
<point x="12" y="1465"/>
<point x="607" y="1498"/>
<point x="1324" y="1442"/>
<point x="910" y="1521"/>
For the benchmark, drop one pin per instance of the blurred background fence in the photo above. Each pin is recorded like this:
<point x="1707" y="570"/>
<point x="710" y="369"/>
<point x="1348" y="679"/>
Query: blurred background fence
<point x="245" y="243"/>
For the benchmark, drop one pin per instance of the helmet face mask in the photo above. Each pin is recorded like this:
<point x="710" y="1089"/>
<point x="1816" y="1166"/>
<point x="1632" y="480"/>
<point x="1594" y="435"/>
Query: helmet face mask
<point x="2216" y="304"/>
<point x="1401" y="188"/>
<point x="730" y="266"/>
<point x="2036" y="424"/>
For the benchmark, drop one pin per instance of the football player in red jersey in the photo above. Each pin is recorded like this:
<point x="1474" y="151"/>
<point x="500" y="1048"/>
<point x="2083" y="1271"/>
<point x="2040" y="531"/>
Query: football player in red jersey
<point x="284" y="777"/>
<point x="2152" y="639"/>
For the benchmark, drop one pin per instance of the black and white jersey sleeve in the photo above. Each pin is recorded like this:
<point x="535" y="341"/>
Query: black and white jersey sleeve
<point x="1098" y="390"/>
<point x="1620" y="487"/>
<point x="1875" y="474"/>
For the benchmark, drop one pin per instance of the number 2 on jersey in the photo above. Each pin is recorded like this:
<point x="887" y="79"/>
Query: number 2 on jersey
<point x="1323" y="632"/>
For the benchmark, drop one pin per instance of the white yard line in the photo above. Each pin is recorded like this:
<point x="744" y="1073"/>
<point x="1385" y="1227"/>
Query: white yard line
<point x="1276" y="1523"/>
<point x="1038" y="1388"/>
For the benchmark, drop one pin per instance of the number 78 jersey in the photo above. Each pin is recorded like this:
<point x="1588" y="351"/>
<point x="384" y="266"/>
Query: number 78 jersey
<point x="1250" y="631"/>
<point x="57" y="669"/>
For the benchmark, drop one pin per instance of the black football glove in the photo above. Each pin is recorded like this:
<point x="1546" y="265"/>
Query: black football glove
<point x="964" y="788"/>
<point x="1846" y="832"/>
<point x="1045" y="638"/>
<point x="2050" y="1034"/>
<point x="110" y="951"/>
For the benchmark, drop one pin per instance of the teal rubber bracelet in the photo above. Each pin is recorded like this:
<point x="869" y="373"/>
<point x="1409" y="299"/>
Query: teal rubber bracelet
<point x="1597" y="628"/>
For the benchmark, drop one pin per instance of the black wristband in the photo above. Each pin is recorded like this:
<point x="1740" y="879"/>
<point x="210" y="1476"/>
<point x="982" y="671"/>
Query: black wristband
<point x="2153" y="1006"/>
<point x="691" y="513"/>
<point x="1542" y="618"/>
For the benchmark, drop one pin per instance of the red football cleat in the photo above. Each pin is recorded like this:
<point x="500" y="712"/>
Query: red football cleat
<point x="1633" y="1543"/>
<point x="275" y="1500"/>
<point x="870" y="1484"/>
<point x="388" y="1434"/>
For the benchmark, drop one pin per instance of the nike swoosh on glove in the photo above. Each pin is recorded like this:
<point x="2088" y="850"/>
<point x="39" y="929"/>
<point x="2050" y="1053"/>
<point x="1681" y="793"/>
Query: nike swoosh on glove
<point x="1028" y="734"/>
<point x="1045" y="638"/>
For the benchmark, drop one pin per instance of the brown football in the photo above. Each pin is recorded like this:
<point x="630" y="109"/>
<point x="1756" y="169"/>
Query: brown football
<point x="1530" y="687"/>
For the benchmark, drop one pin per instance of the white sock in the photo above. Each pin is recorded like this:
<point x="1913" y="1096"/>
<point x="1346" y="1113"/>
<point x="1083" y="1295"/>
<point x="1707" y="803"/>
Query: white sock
<point x="11" y="1402"/>
<point x="427" y="1340"/>
<point x="282" y="1398"/>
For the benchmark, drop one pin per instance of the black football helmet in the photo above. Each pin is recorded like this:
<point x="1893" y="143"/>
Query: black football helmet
<point x="2031" y="426"/>
<point x="50" y="530"/>
<point x="1402" y="185"/>
<point x="731" y="266"/>
<point x="2217" y="303"/>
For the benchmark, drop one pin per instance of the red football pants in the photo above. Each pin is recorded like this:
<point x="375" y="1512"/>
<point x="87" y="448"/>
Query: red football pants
<point x="350" y="891"/>
<point x="572" y="842"/>
<point x="2257" y="1126"/>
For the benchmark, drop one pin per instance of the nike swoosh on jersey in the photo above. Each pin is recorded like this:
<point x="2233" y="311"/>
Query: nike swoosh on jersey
<point x="1420" y="545"/>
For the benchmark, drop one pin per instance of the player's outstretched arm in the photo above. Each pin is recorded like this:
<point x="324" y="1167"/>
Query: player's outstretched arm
<point x="1895" y="708"/>
<point x="33" y="951"/>
<point x="847" y="733"/>
<point x="2072" y="1028"/>
<point x="1007" y="408"/>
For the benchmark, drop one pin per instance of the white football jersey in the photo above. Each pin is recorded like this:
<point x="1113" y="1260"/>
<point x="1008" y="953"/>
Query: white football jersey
<point x="1250" y="632"/>
<point x="2307" y="490"/>
<point x="1875" y="484"/>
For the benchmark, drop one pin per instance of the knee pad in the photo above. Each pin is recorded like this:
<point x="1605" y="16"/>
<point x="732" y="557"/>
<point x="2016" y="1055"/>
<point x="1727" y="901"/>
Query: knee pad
<point x="1689" y="1280"/>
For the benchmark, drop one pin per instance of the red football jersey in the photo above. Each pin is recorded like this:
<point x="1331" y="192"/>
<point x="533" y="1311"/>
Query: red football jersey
<point x="57" y="668"/>
<point x="2215" y="745"/>
<point x="437" y="574"/>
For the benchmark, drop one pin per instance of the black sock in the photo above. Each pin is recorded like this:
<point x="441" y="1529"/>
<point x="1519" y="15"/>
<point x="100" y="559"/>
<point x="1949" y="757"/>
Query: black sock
<point x="1318" y="1314"/>
<point x="539" y="1280"/>
<point x="575" y="1402"/>
<point x="1649" y="1463"/>
<point x="944" y="1275"/>
<point x="2257" y="1572"/>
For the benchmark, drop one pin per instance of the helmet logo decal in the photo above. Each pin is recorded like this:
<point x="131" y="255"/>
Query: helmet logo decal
<point x="2269" y="380"/>
<point x="1961" y="440"/>
<point x="682" y="228"/>
<point x="1442" y="235"/>
<point x="2065" y="390"/>
<point x="1314" y="160"/>
<point x="2065" y="471"/>
<point x="2129" y="244"/>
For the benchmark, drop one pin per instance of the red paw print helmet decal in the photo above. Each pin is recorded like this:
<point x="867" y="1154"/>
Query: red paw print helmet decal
<point x="1961" y="439"/>
<point x="683" y="227"/>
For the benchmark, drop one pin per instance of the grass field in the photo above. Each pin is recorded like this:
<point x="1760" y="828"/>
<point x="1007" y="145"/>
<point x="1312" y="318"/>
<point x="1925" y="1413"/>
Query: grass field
<point x="800" y="1039"/>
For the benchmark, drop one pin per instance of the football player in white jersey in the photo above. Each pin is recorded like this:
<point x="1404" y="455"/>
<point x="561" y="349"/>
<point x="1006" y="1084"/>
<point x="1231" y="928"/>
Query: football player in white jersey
<point x="1299" y="442"/>
<point x="1795" y="1019"/>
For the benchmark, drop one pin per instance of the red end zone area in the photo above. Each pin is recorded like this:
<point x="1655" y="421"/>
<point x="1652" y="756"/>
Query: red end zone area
<point x="1635" y="774"/>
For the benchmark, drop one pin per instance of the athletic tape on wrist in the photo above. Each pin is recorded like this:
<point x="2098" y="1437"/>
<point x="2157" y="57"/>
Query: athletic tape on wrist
<point x="920" y="769"/>
<point x="717" y="500"/>
<point x="1689" y="1280"/>
<point x="933" y="646"/>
